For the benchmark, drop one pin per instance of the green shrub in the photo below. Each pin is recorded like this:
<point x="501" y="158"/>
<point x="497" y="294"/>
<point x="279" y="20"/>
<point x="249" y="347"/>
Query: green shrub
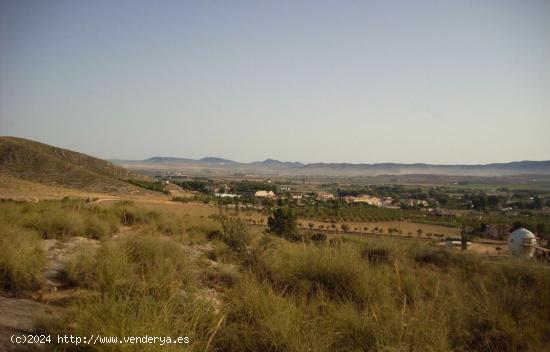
<point x="447" y="260"/>
<point x="377" y="255"/>
<point x="236" y="235"/>
<point x="319" y="237"/>
<point x="156" y="186"/>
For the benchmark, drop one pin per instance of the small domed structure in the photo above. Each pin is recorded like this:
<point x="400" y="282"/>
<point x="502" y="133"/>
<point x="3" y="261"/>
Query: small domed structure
<point x="522" y="243"/>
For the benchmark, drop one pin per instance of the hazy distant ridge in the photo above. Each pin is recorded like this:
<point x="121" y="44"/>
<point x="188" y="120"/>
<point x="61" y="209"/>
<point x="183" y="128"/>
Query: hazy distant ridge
<point x="339" y="169"/>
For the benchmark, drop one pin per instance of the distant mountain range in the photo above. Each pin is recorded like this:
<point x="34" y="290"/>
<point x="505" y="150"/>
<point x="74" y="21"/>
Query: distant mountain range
<point x="271" y="166"/>
<point x="168" y="160"/>
<point x="42" y="163"/>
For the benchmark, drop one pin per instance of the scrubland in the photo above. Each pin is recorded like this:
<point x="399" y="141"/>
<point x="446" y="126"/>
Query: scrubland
<point x="230" y="287"/>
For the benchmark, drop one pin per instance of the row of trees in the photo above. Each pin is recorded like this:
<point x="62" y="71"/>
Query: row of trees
<point x="284" y="223"/>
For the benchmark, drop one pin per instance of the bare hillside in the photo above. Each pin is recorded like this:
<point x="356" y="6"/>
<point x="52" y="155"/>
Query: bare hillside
<point x="38" y="162"/>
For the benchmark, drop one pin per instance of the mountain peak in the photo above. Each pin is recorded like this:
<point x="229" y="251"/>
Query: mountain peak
<point x="216" y="160"/>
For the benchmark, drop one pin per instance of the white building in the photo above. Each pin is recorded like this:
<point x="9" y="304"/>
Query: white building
<point x="264" y="194"/>
<point x="365" y="198"/>
<point x="324" y="196"/>
<point x="226" y="195"/>
<point x="522" y="243"/>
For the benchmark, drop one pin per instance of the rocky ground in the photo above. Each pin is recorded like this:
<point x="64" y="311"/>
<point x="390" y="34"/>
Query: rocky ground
<point x="23" y="315"/>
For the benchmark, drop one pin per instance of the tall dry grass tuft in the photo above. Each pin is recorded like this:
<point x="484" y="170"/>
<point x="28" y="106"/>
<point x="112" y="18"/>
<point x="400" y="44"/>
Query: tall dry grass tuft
<point x="21" y="259"/>
<point x="145" y="286"/>
<point x="137" y="263"/>
<point x="261" y="319"/>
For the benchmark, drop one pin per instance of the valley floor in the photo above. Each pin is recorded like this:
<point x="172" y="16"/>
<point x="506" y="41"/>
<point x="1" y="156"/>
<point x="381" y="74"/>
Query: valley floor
<point x="114" y="265"/>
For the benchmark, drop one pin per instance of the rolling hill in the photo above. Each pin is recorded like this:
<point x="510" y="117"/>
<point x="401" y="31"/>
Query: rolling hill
<point x="45" y="164"/>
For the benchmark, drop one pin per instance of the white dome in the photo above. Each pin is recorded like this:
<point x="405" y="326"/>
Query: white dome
<point x="522" y="242"/>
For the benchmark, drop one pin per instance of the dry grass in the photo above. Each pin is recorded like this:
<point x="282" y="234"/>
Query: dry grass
<point x="348" y="294"/>
<point x="414" y="299"/>
<point x="21" y="259"/>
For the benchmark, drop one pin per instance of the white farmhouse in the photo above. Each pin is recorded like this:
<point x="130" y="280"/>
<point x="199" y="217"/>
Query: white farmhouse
<point x="264" y="194"/>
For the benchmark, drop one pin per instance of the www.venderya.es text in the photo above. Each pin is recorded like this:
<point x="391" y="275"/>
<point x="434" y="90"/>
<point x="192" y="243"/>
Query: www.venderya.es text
<point x="97" y="339"/>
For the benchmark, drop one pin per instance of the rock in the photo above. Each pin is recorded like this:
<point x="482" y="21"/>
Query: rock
<point x="19" y="316"/>
<point x="59" y="254"/>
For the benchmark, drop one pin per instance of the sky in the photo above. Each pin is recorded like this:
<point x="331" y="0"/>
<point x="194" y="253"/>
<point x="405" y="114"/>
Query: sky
<point x="314" y="81"/>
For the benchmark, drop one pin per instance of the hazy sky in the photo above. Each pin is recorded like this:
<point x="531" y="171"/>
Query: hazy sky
<point x="354" y="81"/>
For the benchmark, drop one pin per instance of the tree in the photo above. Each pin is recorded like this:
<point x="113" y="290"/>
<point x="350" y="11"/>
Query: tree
<point x="235" y="234"/>
<point x="537" y="203"/>
<point x="479" y="201"/>
<point x="419" y="232"/>
<point x="311" y="225"/>
<point x="464" y="238"/>
<point x="519" y="224"/>
<point x="493" y="202"/>
<point x="345" y="227"/>
<point x="442" y="199"/>
<point x="283" y="223"/>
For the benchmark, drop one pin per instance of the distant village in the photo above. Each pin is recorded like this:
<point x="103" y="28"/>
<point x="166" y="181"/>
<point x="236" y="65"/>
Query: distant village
<point x="488" y="213"/>
<point x="442" y="201"/>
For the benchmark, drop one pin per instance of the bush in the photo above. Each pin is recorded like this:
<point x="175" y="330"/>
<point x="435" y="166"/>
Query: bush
<point x="220" y="276"/>
<point x="141" y="315"/>
<point x="96" y="228"/>
<point x="283" y="222"/>
<point x="260" y="319"/>
<point x="376" y="255"/>
<point x="319" y="237"/>
<point x="54" y="223"/>
<point x="21" y="259"/>
<point x="447" y="260"/>
<point x="214" y="235"/>
<point x="132" y="264"/>
<point x="335" y="272"/>
<point x="236" y="235"/>
<point x="156" y="186"/>
<point x="61" y="219"/>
